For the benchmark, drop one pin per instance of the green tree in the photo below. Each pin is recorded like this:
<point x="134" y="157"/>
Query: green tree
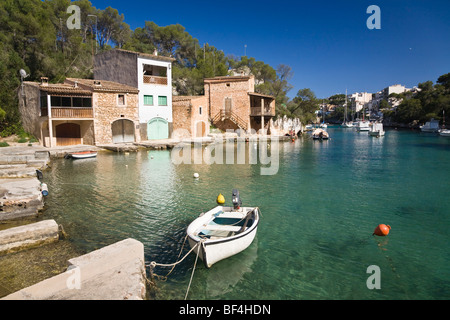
<point x="304" y="106"/>
<point x="409" y="110"/>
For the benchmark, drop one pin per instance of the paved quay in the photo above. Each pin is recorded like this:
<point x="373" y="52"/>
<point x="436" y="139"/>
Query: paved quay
<point x="115" y="272"/>
<point x="28" y="236"/>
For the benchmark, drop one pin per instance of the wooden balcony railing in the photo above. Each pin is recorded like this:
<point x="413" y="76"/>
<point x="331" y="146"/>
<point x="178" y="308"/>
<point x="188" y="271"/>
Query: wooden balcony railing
<point x="256" y="111"/>
<point x="155" y="80"/>
<point x="69" y="112"/>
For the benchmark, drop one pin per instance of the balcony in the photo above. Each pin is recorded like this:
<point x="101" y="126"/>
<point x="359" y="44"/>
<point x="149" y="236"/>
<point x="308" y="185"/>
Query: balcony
<point x="69" y="113"/>
<point x="267" y="112"/>
<point x="155" y="80"/>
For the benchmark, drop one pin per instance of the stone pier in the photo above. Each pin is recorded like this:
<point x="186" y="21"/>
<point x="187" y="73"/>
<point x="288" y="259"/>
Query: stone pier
<point x="30" y="235"/>
<point x="115" y="272"/>
<point x="20" y="197"/>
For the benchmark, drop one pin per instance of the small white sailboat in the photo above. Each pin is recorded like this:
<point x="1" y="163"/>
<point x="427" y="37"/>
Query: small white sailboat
<point x="346" y="124"/>
<point x="377" y="129"/>
<point x="223" y="231"/>
<point x="444" y="132"/>
<point x="363" y="126"/>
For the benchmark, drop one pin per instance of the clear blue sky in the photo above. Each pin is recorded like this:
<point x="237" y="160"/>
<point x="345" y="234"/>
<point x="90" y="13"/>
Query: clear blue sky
<point x="326" y="43"/>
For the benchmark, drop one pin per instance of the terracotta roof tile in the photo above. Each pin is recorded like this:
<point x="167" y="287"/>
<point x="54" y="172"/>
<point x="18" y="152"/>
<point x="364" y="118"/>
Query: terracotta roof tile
<point x="101" y="85"/>
<point x="60" y="89"/>
<point x="185" y="98"/>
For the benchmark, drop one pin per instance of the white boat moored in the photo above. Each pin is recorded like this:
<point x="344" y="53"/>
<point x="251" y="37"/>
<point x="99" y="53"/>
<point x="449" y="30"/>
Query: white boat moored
<point x="223" y="231"/>
<point x="430" y="126"/>
<point x="376" y="130"/>
<point x="83" y="154"/>
<point x="363" y="126"/>
<point x="444" y="132"/>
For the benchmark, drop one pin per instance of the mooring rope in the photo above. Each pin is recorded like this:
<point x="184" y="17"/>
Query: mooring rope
<point x="153" y="264"/>
<point x="193" y="269"/>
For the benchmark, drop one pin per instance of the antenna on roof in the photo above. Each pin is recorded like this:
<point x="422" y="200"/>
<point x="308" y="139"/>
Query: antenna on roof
<point x="23" y="75"/>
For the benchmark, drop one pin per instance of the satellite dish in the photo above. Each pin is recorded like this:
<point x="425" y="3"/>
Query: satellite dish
<point x="23" y="73"/>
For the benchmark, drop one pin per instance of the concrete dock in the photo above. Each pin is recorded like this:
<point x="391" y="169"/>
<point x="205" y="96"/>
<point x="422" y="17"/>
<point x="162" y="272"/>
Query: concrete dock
<point x="115" y="272"/>
<point x="27" y="236"/>
<point x="19" y="198"/>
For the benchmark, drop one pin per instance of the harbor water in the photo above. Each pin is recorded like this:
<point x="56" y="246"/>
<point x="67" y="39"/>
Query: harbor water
<point x="319" y="211"/>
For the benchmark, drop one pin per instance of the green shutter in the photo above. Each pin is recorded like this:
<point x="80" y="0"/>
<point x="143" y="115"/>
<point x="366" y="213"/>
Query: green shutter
<point x="148" y="100"/>
<point x="162" y="101"/>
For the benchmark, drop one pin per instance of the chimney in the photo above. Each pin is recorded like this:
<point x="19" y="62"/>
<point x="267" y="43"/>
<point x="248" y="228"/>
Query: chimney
<point x="44" y="81"/>
<point x="75" y="85"/>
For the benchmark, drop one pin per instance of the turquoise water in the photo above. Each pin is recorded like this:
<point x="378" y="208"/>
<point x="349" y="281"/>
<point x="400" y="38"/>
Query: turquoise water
<point x="318" y="214"/>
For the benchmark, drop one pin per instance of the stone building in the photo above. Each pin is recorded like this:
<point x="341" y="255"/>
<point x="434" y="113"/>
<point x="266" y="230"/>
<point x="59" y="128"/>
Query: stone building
<point x="190" y="117"/>
<point x="151" y="74"/>
<point x="79" y="111"/>
<point x="229" y="103"/>
<point x="234" y="104"/>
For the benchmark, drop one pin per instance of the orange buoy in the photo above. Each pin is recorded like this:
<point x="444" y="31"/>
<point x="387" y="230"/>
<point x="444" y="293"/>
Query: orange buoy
<point x="382" y="230"/>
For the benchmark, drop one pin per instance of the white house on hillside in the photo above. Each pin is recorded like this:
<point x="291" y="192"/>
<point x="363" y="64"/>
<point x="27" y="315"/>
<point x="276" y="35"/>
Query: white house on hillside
<point x="151" y="74"/>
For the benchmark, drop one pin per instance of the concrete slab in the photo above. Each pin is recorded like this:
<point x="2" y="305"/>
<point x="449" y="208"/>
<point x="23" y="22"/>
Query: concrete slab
<point x="20" y="198"/>
<point x="30" y="235"/>
<point x="115" y="272"/>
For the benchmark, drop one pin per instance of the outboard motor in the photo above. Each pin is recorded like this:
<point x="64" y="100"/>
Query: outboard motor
<point x="237" y="202"/>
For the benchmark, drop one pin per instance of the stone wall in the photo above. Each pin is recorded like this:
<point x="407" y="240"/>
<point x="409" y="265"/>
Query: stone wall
<point x="217" y="91"/>
<point x="187" y="120"/>
<point x="284" y="125"/>
<point x="117" y="66"/>
<point x="29" y="108"/>
<point x="107" y="110"/>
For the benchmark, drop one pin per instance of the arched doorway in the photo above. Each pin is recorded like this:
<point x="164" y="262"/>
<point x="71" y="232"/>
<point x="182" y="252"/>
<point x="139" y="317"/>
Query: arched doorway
<point x="157" y="128"/>
<point x="122" y="131"/>
<point x="68" y="134"/>
<point x="200" y="129"/>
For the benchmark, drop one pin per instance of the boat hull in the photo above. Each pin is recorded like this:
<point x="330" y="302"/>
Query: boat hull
<point x="445" y="133"/>
<point x="376" y="133"/>
<point x="83" y="155"/>
<point x="213" y="250"/>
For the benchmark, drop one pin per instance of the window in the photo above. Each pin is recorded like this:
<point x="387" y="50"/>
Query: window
<point x="67" y="102"/>
<point x="148" y="100"/>
<point x="121" y="100"/>
<point x="162" y="101"/>
<point x="200" y="110"/>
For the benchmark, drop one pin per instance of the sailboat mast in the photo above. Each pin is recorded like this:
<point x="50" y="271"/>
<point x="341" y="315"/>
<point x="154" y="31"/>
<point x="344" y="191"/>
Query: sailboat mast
<point x="345" y="110"/>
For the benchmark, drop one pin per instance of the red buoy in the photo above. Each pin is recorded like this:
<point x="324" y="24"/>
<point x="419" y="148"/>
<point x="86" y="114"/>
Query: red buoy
<point x="382" y="230"/>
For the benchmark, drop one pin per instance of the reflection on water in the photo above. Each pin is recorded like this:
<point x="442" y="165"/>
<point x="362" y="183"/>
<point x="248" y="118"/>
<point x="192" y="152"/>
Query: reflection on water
<point x="318" y="214"/>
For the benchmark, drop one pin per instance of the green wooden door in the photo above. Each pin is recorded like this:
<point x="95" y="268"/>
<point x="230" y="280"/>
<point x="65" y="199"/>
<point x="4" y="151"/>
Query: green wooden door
<point x="157" y="128"/>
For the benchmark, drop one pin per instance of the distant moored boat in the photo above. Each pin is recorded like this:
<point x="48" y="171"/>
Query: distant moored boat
<point x="430" y="126"/>
<point x="82" y="155"/>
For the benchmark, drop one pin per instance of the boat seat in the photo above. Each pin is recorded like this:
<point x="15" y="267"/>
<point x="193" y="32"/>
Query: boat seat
<point x="219" y="227"/>
<point x="235" y="215"/>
